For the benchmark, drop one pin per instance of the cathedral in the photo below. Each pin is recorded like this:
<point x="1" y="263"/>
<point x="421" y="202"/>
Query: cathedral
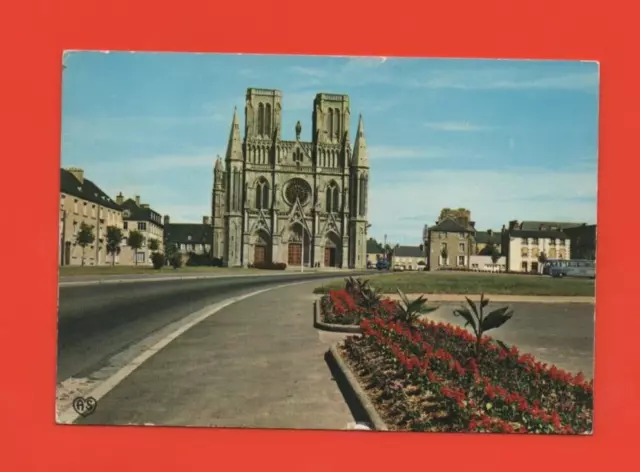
<point x="297" y="202"/>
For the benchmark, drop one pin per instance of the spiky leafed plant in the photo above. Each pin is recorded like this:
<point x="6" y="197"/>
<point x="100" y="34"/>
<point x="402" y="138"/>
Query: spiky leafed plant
<point x="480" y="323"/>
<point x="409" y="311"/>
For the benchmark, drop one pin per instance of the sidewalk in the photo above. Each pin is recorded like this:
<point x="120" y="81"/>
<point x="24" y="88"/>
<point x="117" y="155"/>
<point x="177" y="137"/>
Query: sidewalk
<point x="258" y="363"/>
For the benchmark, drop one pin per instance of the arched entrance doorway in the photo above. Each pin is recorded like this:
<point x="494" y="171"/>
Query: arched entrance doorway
<point x="299" y="246"/>
<point x="261" y="248"/>
<point x="331" y="244"/>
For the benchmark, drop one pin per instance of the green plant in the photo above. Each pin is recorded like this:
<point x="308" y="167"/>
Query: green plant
<point x="158" y="260"/>
<point x="175" y="260"/>
<point x="444" y="252"/>
<point x="134" y="241"/>
<point x="409" y="311"/>
<point x="84" y="238"/>
<point x="154" y="245"/>
<point x="114" y="240"/>
<point x="480" y="323"/>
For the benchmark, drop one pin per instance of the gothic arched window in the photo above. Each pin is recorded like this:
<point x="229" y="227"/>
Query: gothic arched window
<point x="267" y="120"/>
<point x="332" y="198"/>
<point x="262" y="194"/>
<point x="260" y="119"/>
<point x="336" y="123"/>
<point x="330" y="122"/>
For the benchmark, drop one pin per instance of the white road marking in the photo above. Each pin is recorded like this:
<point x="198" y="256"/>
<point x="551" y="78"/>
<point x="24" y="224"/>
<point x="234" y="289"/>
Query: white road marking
<point x="106" y="379"/>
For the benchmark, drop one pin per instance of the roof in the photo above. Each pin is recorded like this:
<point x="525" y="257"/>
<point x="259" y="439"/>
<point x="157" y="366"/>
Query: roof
<point x="535" y="225"/>
<point x="138" y="213"/>
<point x="408" y="251"/>
<point x="374" y="247"/>
<point x="518" y="233"/>
<point x="179" y="233"/>
<point x="86" y="190"/>
<point x="451" y="226"/>
<point x="482" y="237"/>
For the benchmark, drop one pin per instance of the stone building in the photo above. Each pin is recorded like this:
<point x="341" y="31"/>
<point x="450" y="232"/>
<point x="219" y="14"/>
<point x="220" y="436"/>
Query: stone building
<point x="297" y="202"/>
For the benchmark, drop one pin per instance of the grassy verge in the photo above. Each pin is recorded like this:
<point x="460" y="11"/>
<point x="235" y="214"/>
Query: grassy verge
<point x="67" y="271"/>
<point x="457" y="283"/>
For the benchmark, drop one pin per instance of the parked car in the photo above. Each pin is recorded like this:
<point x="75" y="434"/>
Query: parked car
<point x="382" y="264"/>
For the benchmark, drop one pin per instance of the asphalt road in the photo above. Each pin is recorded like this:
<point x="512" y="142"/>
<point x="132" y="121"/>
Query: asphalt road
<point x="97" y="321"/>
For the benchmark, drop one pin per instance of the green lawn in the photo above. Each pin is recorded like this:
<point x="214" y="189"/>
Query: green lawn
<point x="461" y="283"/>
<point x="66" y="271"/>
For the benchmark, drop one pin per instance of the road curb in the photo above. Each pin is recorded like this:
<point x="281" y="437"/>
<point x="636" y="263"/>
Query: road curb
<point x="348" y="381"/>
<point x="184" y="277"/>
<point x="336" y="328"/>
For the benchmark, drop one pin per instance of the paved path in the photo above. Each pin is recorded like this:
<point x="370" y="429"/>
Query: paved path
<point x="498" y="298"/>
<point x="257" y="363"/>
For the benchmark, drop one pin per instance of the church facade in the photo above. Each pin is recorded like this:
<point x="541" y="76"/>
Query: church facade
<point x="292" y="201"/>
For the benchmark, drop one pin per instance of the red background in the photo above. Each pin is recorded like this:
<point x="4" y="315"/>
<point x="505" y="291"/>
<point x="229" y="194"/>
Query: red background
<point x="34" y="33"/>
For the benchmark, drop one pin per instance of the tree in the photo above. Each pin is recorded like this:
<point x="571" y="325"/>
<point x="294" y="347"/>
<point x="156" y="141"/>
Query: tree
<point x="542" y="259"/>
<point x="154" y="245"/>
<point x="84" y="238"/>
<point x="134" y="241"/>
<point x="114" y="240"/>
<point x="444" y="252"/>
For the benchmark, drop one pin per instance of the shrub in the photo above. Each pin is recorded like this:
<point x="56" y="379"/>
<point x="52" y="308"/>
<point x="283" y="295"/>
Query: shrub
<point x="270" y="265"/>
<point x="216" y="262"/>
<point x="175" y="260"/>
<point x="158" y="260"/>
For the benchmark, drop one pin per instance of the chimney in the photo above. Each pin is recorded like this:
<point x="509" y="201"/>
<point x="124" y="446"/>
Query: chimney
<point x="120" y="199"/>
<point x="206" y="220"/>
<point x="490" y="232"/>
<point x="504" y="228"/>
<point x="166" y="219"/>
<point x="77" y="173"/>
<point x="138" y="200"/>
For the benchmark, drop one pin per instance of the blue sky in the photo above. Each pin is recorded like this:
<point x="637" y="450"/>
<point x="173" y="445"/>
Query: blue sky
<point x="506" y="139"/>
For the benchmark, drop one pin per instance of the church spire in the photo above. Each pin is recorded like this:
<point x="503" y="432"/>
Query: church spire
<point x="360" y="158"/>
<point x="234" y="148"/>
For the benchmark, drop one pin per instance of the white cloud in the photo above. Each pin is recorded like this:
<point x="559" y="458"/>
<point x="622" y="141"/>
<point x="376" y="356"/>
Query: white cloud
<point x="506" y="79"/>
<point x="396" y="152"/>
<point x="462" y="126"/>
<point x="400" y="206"/>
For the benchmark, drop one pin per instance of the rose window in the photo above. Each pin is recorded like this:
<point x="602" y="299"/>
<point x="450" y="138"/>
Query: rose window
<point x="297" y="189"/>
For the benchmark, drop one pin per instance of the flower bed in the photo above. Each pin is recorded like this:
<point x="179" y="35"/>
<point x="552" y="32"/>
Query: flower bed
<point x="426" y="376"/>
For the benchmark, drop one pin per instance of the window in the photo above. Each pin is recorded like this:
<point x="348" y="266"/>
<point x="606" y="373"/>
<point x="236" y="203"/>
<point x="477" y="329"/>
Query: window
<point x="332" y="198"/>
<point x="75" y="206"/>
<point x="125" y="225"/>
<point x="524" y="252"/>
<point x="525" y="266"/>
<point x="262" y="194"/>
<point x="93" y="211"/>
<point x="140" y="257"/>
<point x="525" y="241"/>
<point x="562" y="242"/>
<point x="534" y="241"/>
<point x="142" y="226"/>
<point x="442" y="235"/>
<point x="534" y="267"/>
<point x="552" y="242"/>
<point x="460" y="260"/>
<point x="461" y="247"/>
<point x="460" y="235"/>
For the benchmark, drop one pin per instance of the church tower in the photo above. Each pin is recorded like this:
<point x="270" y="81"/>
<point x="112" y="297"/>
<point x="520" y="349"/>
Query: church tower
<point x="217" y="210"/>
<point x="234" y="196"/>
<point x="359" y="187"/>
<point x="263" y="123"/>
